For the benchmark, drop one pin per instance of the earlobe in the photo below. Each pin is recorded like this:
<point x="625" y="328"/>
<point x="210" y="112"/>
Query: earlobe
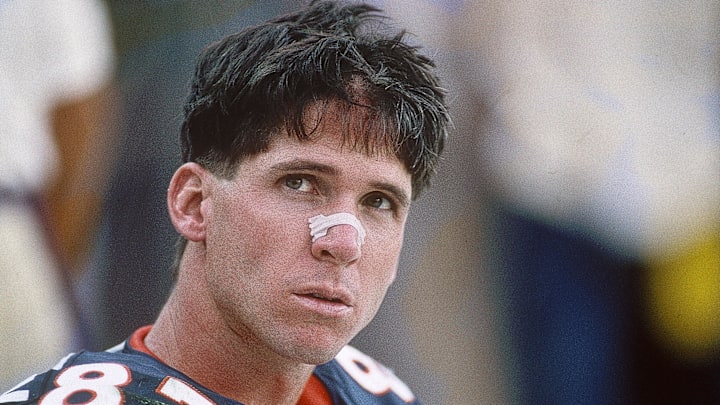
<point x="185" y="198"/>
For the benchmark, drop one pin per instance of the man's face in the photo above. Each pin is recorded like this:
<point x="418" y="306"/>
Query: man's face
<point x="274" y="287"/>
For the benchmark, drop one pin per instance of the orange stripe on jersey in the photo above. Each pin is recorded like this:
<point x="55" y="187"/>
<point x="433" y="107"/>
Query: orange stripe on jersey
<point x="137" y="341"/>
<point x="314" y="392"/>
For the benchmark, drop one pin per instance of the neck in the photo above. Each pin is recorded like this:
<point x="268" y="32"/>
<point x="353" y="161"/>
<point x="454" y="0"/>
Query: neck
<point x="190" y="336"/>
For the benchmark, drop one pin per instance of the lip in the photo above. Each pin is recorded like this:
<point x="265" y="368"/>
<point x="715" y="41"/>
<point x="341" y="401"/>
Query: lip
<point x="325" y="301"/>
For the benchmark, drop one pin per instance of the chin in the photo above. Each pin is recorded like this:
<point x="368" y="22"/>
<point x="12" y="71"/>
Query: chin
<point x="315" y="349"/>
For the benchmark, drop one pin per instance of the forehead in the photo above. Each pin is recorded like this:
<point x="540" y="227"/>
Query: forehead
<point x="329" y="147"/>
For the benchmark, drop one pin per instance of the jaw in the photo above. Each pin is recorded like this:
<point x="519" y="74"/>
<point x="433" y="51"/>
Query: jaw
<point x="313" y="339"/>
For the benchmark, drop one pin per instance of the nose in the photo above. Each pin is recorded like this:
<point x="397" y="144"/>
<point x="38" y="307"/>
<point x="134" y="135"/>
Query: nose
<point x="340" y="245"/>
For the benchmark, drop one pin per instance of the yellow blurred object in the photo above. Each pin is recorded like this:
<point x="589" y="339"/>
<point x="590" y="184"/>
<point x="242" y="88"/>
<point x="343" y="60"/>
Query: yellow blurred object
<point x="684" y="299"/>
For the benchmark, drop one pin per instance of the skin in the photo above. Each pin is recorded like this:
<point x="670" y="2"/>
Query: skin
<point x="257" y="304"/>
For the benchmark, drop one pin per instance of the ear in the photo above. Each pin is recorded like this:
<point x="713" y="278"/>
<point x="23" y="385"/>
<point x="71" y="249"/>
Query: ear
<point x="188" y="189"/>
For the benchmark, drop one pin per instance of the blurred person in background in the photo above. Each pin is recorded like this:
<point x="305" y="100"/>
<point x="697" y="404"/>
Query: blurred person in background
<point x="56" y="64"/>
<point x="604" y="149"/>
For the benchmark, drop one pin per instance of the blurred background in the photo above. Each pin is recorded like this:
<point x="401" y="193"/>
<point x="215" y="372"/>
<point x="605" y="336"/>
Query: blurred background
<point x="568" y="251"/>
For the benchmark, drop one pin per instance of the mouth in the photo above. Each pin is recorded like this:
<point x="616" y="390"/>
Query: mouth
<point x="325" y="302"/>
<point x="325" y="298"/>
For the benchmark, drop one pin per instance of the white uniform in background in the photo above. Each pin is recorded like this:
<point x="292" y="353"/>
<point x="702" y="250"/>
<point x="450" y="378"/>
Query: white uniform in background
<point x="50" y="52"/>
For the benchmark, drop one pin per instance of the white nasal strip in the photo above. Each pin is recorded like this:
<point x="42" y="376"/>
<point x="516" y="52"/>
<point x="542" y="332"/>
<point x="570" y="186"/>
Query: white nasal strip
<point x="320" y="224"/>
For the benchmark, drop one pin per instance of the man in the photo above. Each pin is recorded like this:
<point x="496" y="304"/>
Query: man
<point x="304" y="141"/>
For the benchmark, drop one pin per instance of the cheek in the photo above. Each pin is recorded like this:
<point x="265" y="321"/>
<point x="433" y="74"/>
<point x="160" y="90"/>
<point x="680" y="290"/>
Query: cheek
<point x="382" y="262"/>
<point x="251" y="237"/>
<point x="247" y="254"/>
<point x="279" y="239"/>
<point x="376" y="281"/>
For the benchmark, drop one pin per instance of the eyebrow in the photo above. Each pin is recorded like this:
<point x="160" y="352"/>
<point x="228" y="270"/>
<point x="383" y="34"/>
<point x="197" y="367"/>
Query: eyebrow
<point x="303" y="165"/>
<point x="312" y="166"/>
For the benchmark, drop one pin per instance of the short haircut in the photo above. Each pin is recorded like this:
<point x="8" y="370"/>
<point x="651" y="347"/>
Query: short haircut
<point x="253" y="85"/>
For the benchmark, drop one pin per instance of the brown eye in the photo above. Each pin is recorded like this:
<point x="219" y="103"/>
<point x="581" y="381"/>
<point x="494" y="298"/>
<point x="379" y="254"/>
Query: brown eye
<point x="379" y="201"/>
<point x="299" y="183"/>
<point x="294" y="183"/>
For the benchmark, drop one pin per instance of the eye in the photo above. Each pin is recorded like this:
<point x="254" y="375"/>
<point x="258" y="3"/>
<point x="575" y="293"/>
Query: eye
<point x="379" y="201"/>
<point x="299" y="183"/>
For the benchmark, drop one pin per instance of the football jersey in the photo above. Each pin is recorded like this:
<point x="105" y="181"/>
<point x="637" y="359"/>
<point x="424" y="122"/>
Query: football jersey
<point x="130" y="374"/>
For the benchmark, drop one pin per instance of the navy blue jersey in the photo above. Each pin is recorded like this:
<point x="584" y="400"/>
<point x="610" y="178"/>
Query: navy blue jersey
<point x="125" y="375"/>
